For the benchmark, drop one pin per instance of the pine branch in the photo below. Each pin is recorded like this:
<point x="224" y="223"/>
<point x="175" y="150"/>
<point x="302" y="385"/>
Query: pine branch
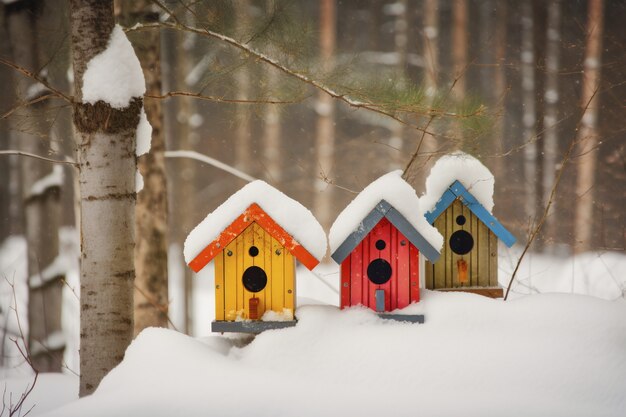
<point x="178" y="24"/>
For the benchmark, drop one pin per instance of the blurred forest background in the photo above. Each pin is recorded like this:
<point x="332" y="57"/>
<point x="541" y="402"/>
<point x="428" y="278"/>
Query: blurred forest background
<point x="513" y="83"/>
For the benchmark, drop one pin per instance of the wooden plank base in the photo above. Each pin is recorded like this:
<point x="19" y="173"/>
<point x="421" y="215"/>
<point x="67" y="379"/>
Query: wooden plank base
<point x="409" y="318"/>
<point x="255" y="327"/>
<point x="491" y="292"/>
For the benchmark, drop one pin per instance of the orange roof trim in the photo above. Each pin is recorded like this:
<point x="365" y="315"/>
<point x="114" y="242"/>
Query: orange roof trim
<point x="254" y="213"/>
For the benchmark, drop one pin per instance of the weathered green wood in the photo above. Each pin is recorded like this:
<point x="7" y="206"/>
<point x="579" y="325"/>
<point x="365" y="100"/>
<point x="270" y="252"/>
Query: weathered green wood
<point x="483" y="256"/>
<point x="493" y="260"/>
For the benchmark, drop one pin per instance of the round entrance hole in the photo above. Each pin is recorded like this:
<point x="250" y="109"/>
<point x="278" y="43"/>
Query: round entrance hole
<point x="254" y="279"/>
<point x="461" y="242"/>
<point x="379" y="271"/>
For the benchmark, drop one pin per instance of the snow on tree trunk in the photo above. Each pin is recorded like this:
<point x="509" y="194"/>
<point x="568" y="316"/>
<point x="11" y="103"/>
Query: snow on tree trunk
<point x="41" y="184"/>
<point x="528" y="110"/>
<point x="325" y="125"/>
<point x="151" y="283"/>
<point x="587" y="133"/>
<point x="106" y="141"/>
<point x="551" y="98"/>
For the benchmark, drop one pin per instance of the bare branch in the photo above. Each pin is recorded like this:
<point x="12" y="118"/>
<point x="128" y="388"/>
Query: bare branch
<point x="37" y="78"/>
<point x="28" y="103"/>
<point x="211" y="161"/>
<point x="217" y="99"/>
<point x="68" y="160"/>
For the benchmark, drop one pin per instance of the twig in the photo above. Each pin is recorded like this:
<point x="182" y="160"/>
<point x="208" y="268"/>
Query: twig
<point x="37" y="78"/>
<point x="211" y="161"/>
<point x="546" y="210"/>
<point x="28" y="103"/>
<point x="68" y="160"/>
<point x="163" y="309"/>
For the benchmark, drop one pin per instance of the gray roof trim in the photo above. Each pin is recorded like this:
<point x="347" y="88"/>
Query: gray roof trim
<point x="384" y="209"/>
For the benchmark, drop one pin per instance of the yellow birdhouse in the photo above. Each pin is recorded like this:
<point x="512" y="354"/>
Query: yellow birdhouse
<point x="255" y="258"/>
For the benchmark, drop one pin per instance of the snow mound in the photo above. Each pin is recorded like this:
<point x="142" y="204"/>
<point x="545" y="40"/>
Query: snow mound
<point x="544" y="355"/>
<point x="468" y="170"/>
<point x="144" y="134"/>
<point x="292" y="216"/>
<point x="397" y="192"/>
<point x="114" y="75"/>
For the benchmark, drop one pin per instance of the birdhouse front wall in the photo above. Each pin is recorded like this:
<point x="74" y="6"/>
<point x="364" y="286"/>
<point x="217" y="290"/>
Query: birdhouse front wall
<point x="239" y="272"/>
<point x="385" y="254"/>
<point x="469" y="257"/>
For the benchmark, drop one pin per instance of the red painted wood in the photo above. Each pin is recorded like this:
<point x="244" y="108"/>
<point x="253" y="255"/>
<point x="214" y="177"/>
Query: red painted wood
<point x="365" y="282"/>
<point x="414" y="273"/>
<point x="402" y="267"/>
<point x="385" y="234"/>
<point x="356" y="270"/>
<point x="345" y="283"/>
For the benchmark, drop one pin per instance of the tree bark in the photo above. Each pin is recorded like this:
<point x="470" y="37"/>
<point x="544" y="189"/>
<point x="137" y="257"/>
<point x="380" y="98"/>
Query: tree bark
<point x="243" y="145"/>
<point x="151" y="292"/>
<point x="42" y="209"/>
<point x="551" y="98"/>
<point x="397" y="140"/>
<point x="587" y="135"/>
<point x="106" y="141"/>
<point x="325" y="125"/>
<point x="528" y="111"/>
<point x="272" y="131"/>
<point x="459" y="61"/>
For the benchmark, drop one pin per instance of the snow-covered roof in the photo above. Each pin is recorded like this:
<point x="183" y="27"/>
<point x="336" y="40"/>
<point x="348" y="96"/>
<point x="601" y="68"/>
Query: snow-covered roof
<point x="476" y="178"/>
<point x="114" y="75"/>
<point x="289" y="214"/>
<point x="395" y="191"/>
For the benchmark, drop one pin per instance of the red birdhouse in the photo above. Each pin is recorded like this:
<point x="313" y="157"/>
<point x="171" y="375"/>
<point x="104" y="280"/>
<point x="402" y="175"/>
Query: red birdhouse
<point x="380" y="257"/>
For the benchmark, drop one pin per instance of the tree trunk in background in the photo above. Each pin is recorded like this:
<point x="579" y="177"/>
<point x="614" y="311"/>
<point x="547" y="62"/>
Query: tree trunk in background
<point x="325" y="126"/>
<point x="588" y="131"/>
<point x="107" y="164"/>
<point x="40" y="197"/>
<point x="430" y="53"/>
<point x="272" y="131"/>
<point x="528" y="111"/>
<point x="243" y="145"/>
<point x="499" y="92"/>
<point x="396" y="142"/>
<point x="551" y="98"/>
<point x="459" y="59"/>
<point x="185" y="191"/>
<point x="151" y="295"/>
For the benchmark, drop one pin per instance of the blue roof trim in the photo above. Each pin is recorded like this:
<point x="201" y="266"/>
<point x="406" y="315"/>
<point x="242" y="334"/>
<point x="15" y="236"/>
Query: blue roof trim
<point x="458" y="190"/>
<point x="384" y="209"/>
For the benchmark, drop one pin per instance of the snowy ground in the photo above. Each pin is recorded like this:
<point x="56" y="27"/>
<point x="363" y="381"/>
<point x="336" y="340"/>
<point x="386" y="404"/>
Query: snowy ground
<point x="538" y="355"/>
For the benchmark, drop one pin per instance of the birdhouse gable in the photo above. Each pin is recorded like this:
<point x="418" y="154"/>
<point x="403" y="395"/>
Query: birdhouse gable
<point x="458" y="191"/>
<point x="384" y="210"/>
<point x="253" y="214"/>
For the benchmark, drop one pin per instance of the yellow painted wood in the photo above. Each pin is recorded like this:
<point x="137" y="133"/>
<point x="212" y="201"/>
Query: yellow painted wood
<point x="219" y="286"/>
<point x="483" y="247"/>
<point x="248" y="261"/>
<point x="278" y="276"/>
<point x="232" y="298"/>
<point x="230" y="279"/>
<point x="290" y="281"/>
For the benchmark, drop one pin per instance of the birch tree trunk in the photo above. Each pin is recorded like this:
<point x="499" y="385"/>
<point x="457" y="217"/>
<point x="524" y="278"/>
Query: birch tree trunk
<point x="325" y="107"/>
<point x="528" y="111"/>
<point x="272" y="131"/>
<point x="588" y="132"/>
<point x="42" y="209"/>
<point x="106" y="141"/>
<point x="243" y="154"/>
<point x="551" y="98"/>
<point x="151" y="292"/>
